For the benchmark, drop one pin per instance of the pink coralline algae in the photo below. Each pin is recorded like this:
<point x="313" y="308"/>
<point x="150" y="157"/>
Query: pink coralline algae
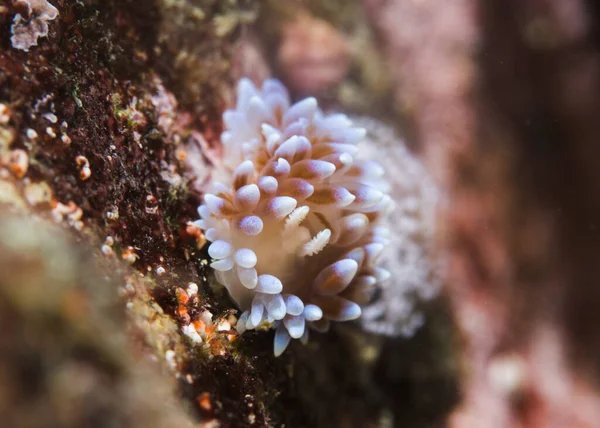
<point x="27" y="30"/>
<point x="295" y="222"/>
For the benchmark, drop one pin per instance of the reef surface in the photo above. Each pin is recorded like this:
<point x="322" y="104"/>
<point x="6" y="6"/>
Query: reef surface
<point x="109" y="126"/>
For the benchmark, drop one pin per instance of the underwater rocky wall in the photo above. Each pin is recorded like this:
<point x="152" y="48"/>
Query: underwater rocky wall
<point x="110" y="125"/>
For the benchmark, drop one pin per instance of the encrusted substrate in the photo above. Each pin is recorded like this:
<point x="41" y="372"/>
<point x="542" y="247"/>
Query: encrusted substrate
<point x="107" y="127"/>
<point x="65" y="356"/>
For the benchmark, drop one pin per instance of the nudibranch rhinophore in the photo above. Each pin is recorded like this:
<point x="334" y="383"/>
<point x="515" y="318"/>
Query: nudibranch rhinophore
<point x="295" y="223"/>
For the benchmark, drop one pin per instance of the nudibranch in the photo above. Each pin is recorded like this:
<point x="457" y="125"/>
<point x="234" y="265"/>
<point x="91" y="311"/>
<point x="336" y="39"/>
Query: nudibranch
<point x="294" y="224"/>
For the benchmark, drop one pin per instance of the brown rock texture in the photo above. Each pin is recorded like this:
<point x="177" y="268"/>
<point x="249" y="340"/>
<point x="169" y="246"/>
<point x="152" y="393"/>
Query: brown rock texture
<point x="108" y="128"/>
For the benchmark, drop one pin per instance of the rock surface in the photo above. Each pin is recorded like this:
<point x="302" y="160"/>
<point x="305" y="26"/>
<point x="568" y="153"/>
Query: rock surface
<point x="108" y="128"/>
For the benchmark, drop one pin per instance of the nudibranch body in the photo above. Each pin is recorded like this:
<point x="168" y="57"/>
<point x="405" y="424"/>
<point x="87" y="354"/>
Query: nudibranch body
<point x="294" y="222"/>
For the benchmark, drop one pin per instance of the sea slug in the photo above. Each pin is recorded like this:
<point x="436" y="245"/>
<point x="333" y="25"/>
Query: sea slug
<point x="294" y="223"/>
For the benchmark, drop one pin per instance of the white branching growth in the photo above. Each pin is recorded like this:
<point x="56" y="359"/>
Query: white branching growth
<point x="26" y="30"/>
<point x="294" y="226"/>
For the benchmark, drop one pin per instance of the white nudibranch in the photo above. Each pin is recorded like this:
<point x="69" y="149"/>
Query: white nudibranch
<point x="294" y="224"/>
